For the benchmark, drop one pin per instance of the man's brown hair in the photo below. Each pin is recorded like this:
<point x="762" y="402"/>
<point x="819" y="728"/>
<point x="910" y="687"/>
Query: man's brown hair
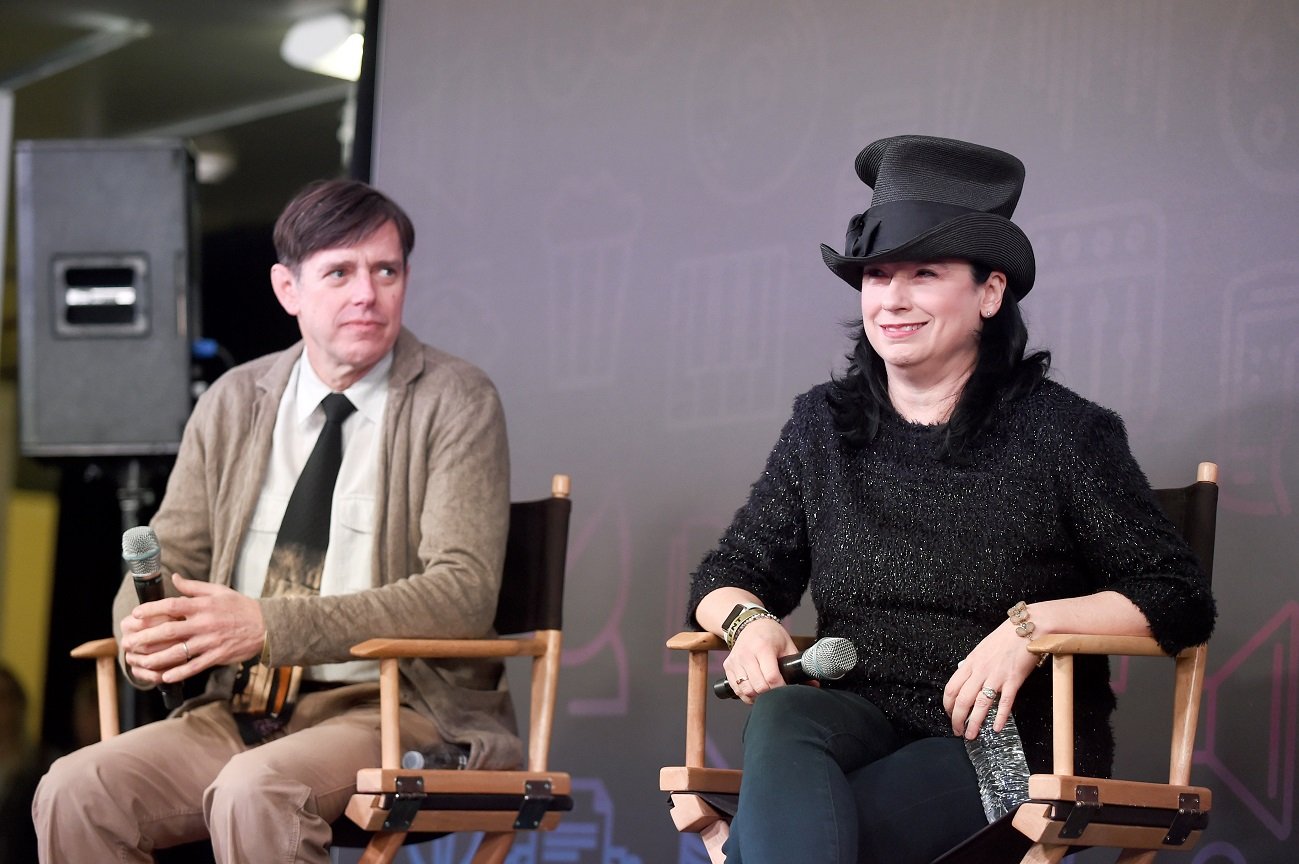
<point x="329" y="214"/>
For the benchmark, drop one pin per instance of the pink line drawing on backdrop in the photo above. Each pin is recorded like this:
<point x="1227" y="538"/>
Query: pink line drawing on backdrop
<point x="1273" y="651"/>
<point x="684" y="552"/>
<point x="605" y="535"/>
<point x="1259" y="385"/>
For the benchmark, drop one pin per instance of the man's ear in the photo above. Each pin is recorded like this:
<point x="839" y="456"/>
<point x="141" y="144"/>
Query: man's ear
<point x="285" y="285"/>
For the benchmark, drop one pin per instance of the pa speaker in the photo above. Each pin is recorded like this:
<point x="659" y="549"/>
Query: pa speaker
<point x="107" y="295"/>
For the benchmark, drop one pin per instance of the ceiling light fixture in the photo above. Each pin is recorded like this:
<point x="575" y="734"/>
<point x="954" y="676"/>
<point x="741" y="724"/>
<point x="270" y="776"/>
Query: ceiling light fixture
<point x="328" y="44"/>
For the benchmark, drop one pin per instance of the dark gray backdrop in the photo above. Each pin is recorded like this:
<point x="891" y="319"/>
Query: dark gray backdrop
<point x="619" y="206"/>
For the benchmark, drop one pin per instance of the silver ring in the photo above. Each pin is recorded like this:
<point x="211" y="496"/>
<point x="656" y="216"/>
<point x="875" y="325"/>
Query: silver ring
<point x="185" y="647"/>
<point x="990" y="693"/>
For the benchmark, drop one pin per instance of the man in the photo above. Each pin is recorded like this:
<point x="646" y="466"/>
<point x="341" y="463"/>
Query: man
<point x="266" y="758"/>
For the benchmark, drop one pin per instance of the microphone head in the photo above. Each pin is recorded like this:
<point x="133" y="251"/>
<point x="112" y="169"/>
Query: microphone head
<point x="141" y="552"/>
<point x="829" y="659"/>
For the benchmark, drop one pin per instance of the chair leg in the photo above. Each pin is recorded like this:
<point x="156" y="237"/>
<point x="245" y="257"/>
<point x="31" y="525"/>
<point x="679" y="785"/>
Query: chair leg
<point x="383" y="847"/>
<point x="1136" y="856"/>
<point x="1045" y="853"/>
<point x="494" y="847"/>
<point x="714" y="837"/>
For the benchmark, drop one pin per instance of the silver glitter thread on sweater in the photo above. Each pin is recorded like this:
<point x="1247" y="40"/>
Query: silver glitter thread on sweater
<point x="915" y="559"/>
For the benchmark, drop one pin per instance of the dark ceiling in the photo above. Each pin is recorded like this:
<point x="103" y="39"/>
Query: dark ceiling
<point x="206" y="70"/>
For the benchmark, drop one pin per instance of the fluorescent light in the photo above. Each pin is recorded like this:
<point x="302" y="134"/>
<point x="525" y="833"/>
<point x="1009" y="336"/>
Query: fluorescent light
<point x="328" y="44"/>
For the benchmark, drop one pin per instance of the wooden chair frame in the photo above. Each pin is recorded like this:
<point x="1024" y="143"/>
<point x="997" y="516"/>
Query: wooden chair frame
<point x="700" y="798"/>
<point x="397" y="804"/>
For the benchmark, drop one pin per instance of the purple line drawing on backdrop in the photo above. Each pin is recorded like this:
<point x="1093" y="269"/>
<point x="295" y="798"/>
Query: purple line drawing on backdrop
<point x="458" y="315"/>
<point x="570" y="45"/>
<point x="1105" y="336"/>
<point x="590" y="229"/>
<point x="1259" y="387"/>
<point x="600" y="548"/>
<point x="1256" y="106"/>
<point x="1271" y="655"/>
<point x="726" y="338"/>
<point x="1082" y="55"/>
<point x="457" y="154"/>
<point x="560" y="66"/>
<point x="740" y="89"/>
<point x="1218" y="850"/>
<point x="962" y="65"/>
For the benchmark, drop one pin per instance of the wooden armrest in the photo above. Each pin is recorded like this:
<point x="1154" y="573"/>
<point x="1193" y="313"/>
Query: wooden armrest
<point x="692" y="640"/>
<point x="95" y="649"/>
<point x="1075" y="643"/>
<point x="685" y="778"/>
<point x="696" y="640"/>
<point x="378" y="649"/>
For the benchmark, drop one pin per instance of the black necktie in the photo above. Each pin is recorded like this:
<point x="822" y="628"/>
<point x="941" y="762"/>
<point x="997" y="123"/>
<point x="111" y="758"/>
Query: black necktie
<point x="306" y="518"/>
<point x="264" y="696"/>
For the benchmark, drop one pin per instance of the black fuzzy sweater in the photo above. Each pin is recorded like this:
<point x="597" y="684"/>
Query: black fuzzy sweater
<point x="916" y="559"/>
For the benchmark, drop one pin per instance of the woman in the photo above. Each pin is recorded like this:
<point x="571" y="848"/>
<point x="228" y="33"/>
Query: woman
<point x="939" y="483"/>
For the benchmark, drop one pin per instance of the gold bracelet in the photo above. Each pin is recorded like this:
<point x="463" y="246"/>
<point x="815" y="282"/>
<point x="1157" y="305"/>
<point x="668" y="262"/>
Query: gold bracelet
<point x="266" y="650"/>
<point x="742" y="620"/>
<point x="1018" y="615"/>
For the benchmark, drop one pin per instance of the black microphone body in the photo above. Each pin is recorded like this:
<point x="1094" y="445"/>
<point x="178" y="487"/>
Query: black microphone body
<point x="142" y="554"/>
<point x="826" y="659"/>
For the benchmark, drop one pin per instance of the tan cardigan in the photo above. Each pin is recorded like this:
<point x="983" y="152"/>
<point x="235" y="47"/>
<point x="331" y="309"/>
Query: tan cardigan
<point x="443" y="474"/>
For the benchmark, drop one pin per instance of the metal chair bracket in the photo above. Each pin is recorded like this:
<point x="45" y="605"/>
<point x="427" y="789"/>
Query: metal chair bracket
<point x="536" y="801"/>
<point x="1087" y="803"/>
<point x="405" y="804"/>
<point x="1188" y="809"/>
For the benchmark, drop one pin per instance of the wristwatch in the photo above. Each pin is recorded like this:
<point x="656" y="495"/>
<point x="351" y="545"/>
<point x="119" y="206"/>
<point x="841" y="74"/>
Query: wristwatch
<point x="735" y="613"/>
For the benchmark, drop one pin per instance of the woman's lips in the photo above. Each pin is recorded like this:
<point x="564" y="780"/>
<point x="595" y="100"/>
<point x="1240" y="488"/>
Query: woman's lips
<point x="900" y="331"/>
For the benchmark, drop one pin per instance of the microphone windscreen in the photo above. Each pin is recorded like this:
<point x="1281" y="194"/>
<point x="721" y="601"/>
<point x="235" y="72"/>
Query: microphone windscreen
<point x="141" y="552"/>
<point x="829" y="659"/>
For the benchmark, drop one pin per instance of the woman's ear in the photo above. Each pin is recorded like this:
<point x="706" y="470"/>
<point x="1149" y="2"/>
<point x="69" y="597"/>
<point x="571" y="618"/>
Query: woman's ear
<point x="992" y="292"/>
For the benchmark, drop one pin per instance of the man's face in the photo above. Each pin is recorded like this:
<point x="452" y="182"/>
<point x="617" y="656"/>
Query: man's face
<point x="348" y="303"/>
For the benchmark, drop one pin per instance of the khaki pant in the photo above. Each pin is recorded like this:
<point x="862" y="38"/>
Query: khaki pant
<point x="191" y="777"/>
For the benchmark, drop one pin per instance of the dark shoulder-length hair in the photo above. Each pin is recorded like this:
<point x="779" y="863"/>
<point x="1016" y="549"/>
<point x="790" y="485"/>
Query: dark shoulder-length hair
<point x="1002" y="373"/>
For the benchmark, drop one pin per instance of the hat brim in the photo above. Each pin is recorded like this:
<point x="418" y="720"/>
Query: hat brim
<point x="986" y="238"/>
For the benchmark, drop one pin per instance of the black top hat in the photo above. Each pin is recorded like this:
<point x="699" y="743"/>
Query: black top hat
<point x="937" y="198"/>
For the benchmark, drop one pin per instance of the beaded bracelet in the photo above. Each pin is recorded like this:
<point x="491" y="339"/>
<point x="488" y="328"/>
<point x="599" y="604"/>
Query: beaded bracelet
<point x="1018" y="615"/>
<point x="740" y="621"/>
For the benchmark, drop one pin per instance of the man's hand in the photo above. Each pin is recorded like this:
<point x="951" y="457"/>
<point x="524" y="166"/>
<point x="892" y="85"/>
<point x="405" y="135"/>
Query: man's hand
<point x="171" y="639"/>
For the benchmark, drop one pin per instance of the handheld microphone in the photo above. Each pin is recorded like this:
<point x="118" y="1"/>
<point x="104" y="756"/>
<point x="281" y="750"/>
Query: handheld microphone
<point x="825" y="659"/>
<point x="141" y="552"/>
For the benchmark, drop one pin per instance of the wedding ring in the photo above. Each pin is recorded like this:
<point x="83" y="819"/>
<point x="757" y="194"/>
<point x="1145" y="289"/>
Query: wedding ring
<point x="185" y="647"/>
<point x="990" y="693"/>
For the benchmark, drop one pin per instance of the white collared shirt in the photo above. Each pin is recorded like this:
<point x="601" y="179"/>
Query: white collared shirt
<point x="349" y="556"/>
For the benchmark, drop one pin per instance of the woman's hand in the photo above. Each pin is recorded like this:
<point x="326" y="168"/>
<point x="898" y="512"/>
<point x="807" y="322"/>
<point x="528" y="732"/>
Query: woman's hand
<point x="752" y="667"/>
<point x="999" y="664"/>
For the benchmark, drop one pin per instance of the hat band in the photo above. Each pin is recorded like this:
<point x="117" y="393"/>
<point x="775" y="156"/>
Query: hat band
<point x="888" y="226"/>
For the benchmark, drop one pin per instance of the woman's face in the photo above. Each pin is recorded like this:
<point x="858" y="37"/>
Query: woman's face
<point x="923" y="317"/>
